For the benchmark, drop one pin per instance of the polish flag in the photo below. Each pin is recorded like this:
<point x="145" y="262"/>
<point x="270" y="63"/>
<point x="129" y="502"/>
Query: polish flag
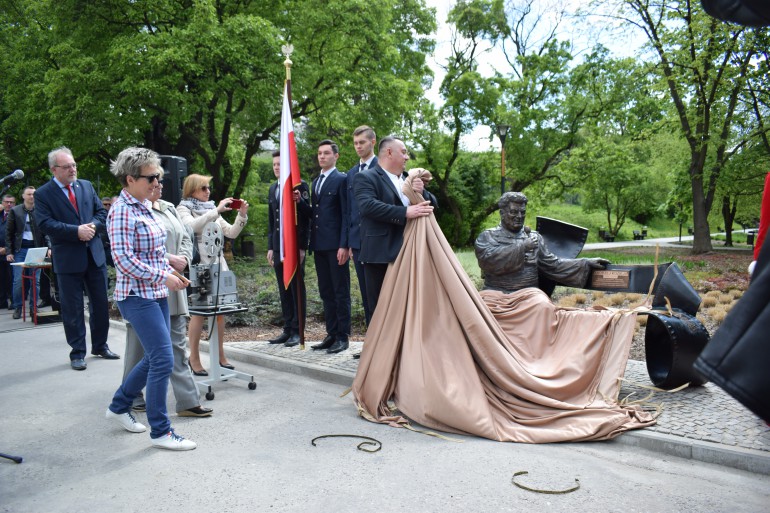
<point x="289" y="179"/>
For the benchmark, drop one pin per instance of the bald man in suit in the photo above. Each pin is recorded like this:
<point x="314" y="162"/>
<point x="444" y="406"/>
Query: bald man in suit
<point x="384" y="212"/>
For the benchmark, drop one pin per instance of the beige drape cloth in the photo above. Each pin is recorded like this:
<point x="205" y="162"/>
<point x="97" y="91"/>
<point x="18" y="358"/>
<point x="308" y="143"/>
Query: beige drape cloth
<point x="509" y="367"/>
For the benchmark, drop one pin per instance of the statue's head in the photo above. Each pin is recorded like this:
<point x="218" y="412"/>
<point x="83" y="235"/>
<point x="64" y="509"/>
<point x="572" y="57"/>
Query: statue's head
<point x="513" y="210"/>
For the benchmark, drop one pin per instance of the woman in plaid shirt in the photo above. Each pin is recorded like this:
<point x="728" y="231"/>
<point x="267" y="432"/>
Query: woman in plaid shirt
<point x="144" y="278"/>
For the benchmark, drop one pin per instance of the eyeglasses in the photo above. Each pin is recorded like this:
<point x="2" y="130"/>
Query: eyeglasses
<point x="150" y="178"/>
<point x="69" y="166"/>
<point x="205" y="188"/>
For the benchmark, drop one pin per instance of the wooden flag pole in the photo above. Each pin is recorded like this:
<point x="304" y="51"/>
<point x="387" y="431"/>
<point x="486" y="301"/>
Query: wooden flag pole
<point x="299" y="274"/>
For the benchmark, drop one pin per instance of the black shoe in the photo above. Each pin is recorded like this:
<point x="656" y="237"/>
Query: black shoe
<point x="326" y="344"/>
<point x="17" y="313"/>
<point x="357" y="356"/>
<point x="78" y="364"/>
<point x="201" y="372"/>
<point x="198" y="411"/>
<point x="293" y="341"/>
<point x="44" y="303"/>
<point x="107" y="354"/>
<point x="228" y="366"/>
<point x="340" y="345"/>
<point x="283" y="337"/>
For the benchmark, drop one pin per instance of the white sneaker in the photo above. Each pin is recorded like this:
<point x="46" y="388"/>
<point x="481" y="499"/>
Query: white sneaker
<point x="127" y="421"/>
<point x="173" y="442"/>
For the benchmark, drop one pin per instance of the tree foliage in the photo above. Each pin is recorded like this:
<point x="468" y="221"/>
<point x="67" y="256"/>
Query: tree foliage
<point x="616" y="179"/>
<point x="203" y="79"/>
<point x="707" y="67"/>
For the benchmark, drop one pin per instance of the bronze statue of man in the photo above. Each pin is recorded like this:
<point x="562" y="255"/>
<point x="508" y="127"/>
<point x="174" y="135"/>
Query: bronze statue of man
<point x="511" y="256"/>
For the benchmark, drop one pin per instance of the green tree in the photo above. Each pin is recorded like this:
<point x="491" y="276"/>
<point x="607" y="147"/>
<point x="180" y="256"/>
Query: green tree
<point x="540" y="92"/>
<point x="740" y="187"/>
<point x="203" y="79"/>
<point x="706" y="66"/>
<point x="468" y="98"/>
<point x="615" y="179"/>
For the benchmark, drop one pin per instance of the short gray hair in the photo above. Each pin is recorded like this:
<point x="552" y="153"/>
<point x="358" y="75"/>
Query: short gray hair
<point x="130" y="162"/>
<point x="53" y="153"/>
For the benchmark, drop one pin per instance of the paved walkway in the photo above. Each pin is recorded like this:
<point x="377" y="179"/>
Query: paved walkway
<point x="701" y="423"/>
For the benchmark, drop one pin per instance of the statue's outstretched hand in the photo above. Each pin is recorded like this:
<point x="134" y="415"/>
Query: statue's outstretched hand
<point x="598" y="263"/>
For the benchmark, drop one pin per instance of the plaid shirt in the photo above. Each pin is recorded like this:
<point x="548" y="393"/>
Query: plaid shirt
<point x="138" y="249"/>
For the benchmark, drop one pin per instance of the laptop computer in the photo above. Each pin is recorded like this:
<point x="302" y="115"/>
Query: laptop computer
<point x="35" y="257"/>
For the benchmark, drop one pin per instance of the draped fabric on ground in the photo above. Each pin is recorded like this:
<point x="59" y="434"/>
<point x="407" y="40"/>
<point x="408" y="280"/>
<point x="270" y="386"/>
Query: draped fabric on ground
<point x="509" y="367"/>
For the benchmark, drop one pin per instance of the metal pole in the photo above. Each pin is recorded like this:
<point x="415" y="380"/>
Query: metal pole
<point x="502" y="166"/>
<point x="502" y="132"/>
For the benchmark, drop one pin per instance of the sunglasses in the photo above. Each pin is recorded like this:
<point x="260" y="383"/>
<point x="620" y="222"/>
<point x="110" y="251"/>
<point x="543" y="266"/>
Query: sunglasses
<point x="150" y="178"/>
<point x="205" y="188"/>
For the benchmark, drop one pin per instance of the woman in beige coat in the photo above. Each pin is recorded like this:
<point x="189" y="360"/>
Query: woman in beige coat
<point x="196" y="211"/>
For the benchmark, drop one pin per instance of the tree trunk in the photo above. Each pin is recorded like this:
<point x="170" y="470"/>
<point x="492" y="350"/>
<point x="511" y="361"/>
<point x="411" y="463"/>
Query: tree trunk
<point x="702" y="233"/>
<point x="727" y="220"/>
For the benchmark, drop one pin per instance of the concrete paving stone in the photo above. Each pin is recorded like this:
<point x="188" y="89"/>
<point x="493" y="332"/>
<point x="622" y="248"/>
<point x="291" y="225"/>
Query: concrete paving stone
<point x="703" y="413"/>
<point x="703" y="423"/>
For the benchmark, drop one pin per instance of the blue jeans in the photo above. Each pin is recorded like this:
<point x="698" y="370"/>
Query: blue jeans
<point x="19" y="256"/>
<point x="150" y="319"/>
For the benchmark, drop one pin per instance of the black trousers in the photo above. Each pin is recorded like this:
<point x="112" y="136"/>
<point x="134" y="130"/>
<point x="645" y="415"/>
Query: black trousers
<point x="334" y="289"/>
<point x="94" y="278"/>
<point x="375" y="275"/>
<point x="362" y="285"/>
<point x="6" y="283"/>
<point x="289" y="297"/>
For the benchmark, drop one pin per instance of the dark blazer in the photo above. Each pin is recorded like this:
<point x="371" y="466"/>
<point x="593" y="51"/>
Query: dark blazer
<point x="14" y="229"/>
<point x="354" y="223"/>
<point x="58" y="219"/>
<point x="274" y="217"/>
<point x="383" y="216"/>
<point x="3" y="224"/>
<point x="329" y="222"/>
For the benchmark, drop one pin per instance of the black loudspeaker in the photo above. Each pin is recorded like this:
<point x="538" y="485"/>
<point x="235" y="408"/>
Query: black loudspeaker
<point x="175" y="171"/>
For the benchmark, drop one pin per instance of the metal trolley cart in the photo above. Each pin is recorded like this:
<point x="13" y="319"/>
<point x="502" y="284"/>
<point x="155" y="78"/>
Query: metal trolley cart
<point x="213" y="293"/>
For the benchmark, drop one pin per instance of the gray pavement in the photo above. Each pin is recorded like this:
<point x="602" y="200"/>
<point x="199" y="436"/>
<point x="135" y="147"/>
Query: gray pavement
<point x="703" y="423"/>
<point x="255" y="454"/>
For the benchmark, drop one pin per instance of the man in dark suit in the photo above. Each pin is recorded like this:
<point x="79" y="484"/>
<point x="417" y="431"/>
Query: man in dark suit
<point x="289" y="300"/>
<point x="364" y="140"/>
<point x="6" y="276"/>
<point x="70" y="213"/>
<point x="384" y="211"/>
<point x="21" y="234"/>
<point x="329" y="242"/>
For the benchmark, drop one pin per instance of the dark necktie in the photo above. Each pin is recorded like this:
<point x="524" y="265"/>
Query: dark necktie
<point x="71" y="195"/>
<point x="363" y="166"/>
<point x="318" y="184"/>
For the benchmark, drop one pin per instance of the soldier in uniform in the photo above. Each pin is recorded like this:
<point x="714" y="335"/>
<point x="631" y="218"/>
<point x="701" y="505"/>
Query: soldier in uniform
<point x="289" y="301"/>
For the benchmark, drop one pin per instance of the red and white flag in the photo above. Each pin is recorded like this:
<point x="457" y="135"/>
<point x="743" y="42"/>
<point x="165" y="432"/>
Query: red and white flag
<point x="289" y="179"/>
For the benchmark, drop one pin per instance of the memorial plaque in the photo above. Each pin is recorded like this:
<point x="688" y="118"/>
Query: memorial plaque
<point x="611" y="279"/>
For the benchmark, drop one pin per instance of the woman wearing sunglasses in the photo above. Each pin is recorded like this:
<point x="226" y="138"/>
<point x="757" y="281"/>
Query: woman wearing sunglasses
<point x="196" y="211"/>
<point x="144" y="279"/>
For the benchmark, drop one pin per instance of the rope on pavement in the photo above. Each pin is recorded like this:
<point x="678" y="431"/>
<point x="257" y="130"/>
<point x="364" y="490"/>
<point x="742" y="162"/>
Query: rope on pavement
<point x="536" y="490"/>
<point x="368" y="441"/>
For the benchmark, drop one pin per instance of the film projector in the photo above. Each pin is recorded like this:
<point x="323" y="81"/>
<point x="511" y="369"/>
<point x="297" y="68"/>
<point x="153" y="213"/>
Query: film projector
<point x="213" y="293"/>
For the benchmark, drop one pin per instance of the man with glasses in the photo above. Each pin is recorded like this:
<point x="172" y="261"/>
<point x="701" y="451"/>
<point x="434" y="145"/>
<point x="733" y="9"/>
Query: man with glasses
<point x="69" y="211"/>
<point x="21" y="234"/>
<point x="6" y="278"/>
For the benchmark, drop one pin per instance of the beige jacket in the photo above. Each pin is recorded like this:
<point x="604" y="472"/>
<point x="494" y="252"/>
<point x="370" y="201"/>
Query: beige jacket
<point x="198" y="221"/>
